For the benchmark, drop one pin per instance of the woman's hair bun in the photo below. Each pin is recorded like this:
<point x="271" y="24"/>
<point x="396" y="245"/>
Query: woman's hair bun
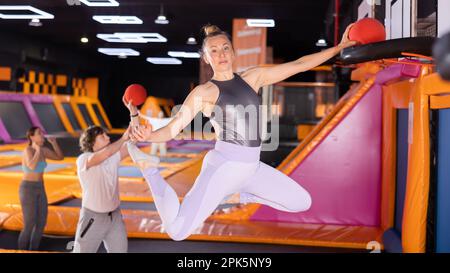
<point x="208" y="29"/>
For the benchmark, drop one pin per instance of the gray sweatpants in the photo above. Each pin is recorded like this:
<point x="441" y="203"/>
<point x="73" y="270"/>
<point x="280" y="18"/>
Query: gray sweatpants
<point x="34" y="209"/>
<point x="94" y="228"/>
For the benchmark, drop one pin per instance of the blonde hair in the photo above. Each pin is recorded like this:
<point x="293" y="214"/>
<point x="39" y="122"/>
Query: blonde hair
<point x="212" y="31"/>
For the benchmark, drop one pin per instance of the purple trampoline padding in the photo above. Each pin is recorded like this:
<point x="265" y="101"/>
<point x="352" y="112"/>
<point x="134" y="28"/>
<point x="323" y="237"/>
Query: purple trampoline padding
<point x="25" y="99"/>
<point x="4" y="135"/>
<point x="390" y="73"/>
<point x="197" y="145"/>
<point x="41" y="98"/>
<point x="343" y="173"/>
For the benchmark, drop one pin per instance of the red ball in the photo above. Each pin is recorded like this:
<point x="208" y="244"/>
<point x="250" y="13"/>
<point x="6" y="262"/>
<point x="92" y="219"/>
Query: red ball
<point x="366" y="31"/>
<point x="136" y="93"/>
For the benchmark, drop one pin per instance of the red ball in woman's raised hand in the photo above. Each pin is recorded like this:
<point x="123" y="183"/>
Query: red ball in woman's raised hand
<point x="366" y="31"/>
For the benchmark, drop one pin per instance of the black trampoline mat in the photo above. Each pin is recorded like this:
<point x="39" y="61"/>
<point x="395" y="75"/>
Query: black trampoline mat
<point x="15" y="118"/>
<point x="85" y="113"/>
<point x="49" y="118"/>
<point x="76" y="202"/>
<point x="99" y="115"/>
<point x="8" y="240"/>
<point x="69" y="146"/>
<point x="71" y="116"/>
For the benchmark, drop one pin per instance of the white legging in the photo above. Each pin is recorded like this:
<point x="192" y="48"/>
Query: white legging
<point x="227" y="169"/>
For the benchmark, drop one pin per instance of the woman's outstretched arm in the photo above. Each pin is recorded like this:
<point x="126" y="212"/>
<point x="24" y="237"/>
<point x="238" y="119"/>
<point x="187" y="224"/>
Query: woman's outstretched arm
<point x="261" y="76"/>
<point x="192" y="105"/>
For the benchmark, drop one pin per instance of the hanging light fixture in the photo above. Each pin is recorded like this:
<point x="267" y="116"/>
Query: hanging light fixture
<point x="161" y="19"/>
<point x="191" y="40"/>
<point x="321" y="42"/>
<point x="35" y="22"/>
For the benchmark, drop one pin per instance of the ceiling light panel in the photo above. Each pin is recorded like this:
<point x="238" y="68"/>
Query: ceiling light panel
<point x="169" y="61"/>
<point x="113" y="19"/>
<point x="130" y="37"/>
<point x="102" y="3"/>
<point x="182" y="54"/>
<point x="119" y="51"/>
<point x="5" y="12"/>
<point x="260" y="22"/>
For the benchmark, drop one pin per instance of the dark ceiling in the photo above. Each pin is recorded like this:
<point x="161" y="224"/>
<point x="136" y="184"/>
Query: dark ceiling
<point x="298" y="23"/>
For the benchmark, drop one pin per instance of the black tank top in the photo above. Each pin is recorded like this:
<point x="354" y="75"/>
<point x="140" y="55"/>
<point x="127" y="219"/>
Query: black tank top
<point x="236" y="114"/>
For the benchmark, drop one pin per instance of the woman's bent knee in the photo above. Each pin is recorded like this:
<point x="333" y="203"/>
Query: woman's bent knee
<point x="303" y="202"/>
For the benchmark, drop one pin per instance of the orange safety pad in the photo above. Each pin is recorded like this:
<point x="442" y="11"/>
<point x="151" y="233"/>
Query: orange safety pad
<point x="261" y="232"/>
<point x="365" y="71"/>
<point x="6" y="161"/>
<point x="23" y="251"/>
<point x="55" y="184"/>
<point x="60" y="221"/>
<point x="3" y="216"/>
<point x="147" y="224"/>
<point x="150" y="107"/>
<point x="54" y="187"/>
<point x="18" y="146"/>
<point x="440" y="102"/>
<point x="418" y="177"/>
<point x="433" y="84"/>
<point x="388" y="155"/>
<point x="395" y="96"/>
<point x="303" y="130"/>
<point x="5" y="73"/>
<point x="154" y="105"/>
<point x="61" y="80"/>
<point x="91" y="85"/>
<point x="9" y="193"/>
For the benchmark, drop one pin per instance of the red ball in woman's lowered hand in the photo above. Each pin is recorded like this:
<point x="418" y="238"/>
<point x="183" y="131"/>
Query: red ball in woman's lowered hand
<point x="136" y="93"/>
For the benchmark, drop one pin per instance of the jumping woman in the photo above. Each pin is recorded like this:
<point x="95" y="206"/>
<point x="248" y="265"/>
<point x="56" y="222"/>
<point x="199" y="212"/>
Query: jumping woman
<point x="233" y="166"/>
